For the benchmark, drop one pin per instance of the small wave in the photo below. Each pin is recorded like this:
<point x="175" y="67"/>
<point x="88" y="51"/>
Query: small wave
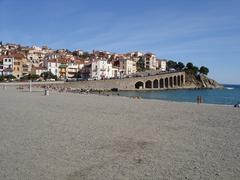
<point x="229" y="88"/>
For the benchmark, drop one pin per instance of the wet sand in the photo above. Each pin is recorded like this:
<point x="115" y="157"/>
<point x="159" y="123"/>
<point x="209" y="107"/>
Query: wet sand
<point x="70" y="136"/>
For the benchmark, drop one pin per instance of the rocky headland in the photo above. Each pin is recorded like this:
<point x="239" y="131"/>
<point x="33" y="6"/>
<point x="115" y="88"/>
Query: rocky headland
<point x="200" y="81"/>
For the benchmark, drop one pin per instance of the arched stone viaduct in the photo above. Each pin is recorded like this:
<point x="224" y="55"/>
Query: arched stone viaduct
<point x="161" y="81"/>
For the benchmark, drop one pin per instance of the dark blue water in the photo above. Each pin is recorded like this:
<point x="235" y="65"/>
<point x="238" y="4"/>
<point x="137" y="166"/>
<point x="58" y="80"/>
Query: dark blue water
<point x="229" y="95"/>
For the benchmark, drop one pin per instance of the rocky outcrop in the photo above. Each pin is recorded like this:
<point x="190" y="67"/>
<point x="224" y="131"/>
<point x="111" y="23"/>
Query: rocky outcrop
<point x="200" y="81"/>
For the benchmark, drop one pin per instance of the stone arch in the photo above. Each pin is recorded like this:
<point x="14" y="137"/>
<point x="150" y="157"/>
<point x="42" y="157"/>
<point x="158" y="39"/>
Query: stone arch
<point x="139" y="85"/>
<point x="161" y="83"/>
<point x="155" y="83"/>
<point x="179" y="81"/>
<point x="148" y="84"/>
<point x="175" y="81"/>
<point x="171" y="81"/>
<point x="166" y="82"/>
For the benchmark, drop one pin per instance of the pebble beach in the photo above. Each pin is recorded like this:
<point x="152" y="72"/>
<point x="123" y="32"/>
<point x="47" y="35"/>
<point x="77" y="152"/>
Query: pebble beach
<point x="68" y="136"/>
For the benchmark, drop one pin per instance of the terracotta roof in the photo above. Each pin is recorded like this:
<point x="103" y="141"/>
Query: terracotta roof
<point x="13" y="55"/>
<point x="4" y="56"/>
<point x="79" y="62"/>
<point x="18" y="56"/>
<point x="59" y="60"/>
<point x="40" y="68"/>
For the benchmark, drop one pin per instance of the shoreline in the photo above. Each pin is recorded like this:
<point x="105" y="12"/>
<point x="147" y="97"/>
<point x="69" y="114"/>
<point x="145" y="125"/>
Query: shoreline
<point x="115" y="94"/>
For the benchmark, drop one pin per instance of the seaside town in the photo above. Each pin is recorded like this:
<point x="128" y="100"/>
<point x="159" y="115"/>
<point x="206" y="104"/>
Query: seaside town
<point x="23" y="62"/>
<point x="119" y="90"/>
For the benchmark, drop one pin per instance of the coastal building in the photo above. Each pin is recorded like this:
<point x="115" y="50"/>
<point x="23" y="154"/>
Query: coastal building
<point x="74" y="68"/>
<point x="63" y="70"/>
<point x="38" y="70"/>
<point x="162" y="65"/>
<point x="150" y="61"/>
<point x="19" y="68"/>
<point x="136" y="54"/>
<point x="101" y="69"/>
<point x="7" y="65"/>
<point x="101" y="54"/>
<point x="27" y="67"/>
<point x="52" y="56"/>
<point x="78" y="52"/>
<point x="86" y="70"/>
<point x="52" y="66"/>
<point x="115" y="72"/>
<point x="9" y="46"/>
<point x="8" y="62"/>
<point x="1" y="67"/>
<point x="128" y="66"/>
<point x="36" y="58"/>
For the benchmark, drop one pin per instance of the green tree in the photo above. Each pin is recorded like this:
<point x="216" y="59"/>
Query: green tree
<point x="180" y="66"/>
<point x="190" y="68"/>
<point x="30" y="77"/>
<point x="204" y="70"/>
<point x="189" y="65"/>
<point x="1" y="78"/>
<point x="48" y="75"/>
<point x="171" y="64"/>
<point x="195" y="70"/>
<point x="7" y="77"/>
<point x="141" y="64"/>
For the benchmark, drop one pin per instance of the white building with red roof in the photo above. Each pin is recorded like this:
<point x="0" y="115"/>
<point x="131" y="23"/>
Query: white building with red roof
<point x="101" y="69"/>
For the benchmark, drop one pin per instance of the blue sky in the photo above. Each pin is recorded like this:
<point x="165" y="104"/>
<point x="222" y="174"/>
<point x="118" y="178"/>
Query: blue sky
<point x="205" y="32"/>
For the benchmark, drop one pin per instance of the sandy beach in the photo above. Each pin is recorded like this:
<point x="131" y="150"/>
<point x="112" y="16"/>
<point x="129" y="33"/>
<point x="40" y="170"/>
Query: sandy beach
<point x="68" y="136"/>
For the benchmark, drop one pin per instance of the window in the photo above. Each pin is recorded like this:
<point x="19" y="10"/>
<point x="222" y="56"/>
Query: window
<point x="9" y="60"/>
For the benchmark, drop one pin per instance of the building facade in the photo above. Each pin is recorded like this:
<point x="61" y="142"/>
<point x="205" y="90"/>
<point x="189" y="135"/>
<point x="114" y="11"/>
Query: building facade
<point x="8" y="63"/>
<point x="150" y="61"/>
<point x="101" y="69"/>
<point x="128" y="66"/>
<point x="162" y="65"/>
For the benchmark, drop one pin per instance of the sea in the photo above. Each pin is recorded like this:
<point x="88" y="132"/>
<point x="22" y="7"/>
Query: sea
<point x="229" y="95"/>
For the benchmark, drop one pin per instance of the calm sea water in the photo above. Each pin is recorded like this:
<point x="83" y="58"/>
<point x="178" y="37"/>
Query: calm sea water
<point x="229" y="95"/>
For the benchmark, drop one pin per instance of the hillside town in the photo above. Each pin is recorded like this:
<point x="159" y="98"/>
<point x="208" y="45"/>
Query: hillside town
<point x="21" y="62"/>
